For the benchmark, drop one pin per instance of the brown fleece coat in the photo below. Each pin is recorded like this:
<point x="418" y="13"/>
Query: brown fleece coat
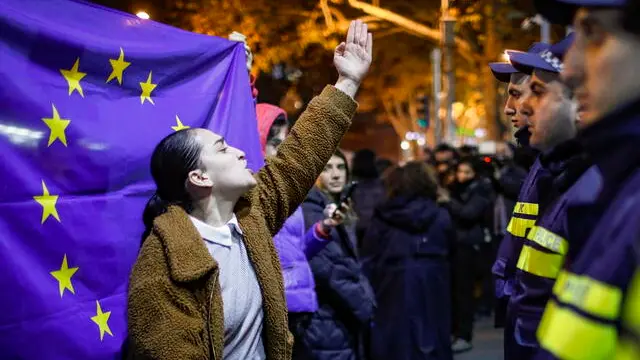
<point x="175" y="303"/>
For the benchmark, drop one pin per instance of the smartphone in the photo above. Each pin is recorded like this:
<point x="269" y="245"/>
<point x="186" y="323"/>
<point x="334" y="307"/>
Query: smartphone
<point x="346" y="194"/>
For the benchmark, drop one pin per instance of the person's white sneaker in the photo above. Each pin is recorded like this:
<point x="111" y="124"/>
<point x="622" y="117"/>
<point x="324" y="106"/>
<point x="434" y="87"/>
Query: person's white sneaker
<point x="460" y="346"/>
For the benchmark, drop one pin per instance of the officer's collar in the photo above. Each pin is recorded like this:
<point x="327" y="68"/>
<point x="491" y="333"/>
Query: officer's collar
<point x="558" y="157"/>
<point x="612" y="142"/>
<point x="561" y="151"/>
<point x="621" y="124"/>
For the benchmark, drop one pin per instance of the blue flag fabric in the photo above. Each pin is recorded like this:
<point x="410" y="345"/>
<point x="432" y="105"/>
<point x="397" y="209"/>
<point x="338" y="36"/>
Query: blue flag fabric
<point x="85" y="95"/>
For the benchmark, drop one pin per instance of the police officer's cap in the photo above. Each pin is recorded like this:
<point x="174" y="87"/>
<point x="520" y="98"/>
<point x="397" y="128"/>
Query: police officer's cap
<point x="549" y="59"/>
<point x="503" y="70"/>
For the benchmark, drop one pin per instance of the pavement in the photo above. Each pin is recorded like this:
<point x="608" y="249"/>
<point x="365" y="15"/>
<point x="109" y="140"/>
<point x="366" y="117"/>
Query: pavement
<point x="487" y="342"/>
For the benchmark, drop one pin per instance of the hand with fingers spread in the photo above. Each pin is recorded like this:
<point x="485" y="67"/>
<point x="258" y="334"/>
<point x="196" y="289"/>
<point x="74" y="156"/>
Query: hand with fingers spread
<point x="353" y="57"/>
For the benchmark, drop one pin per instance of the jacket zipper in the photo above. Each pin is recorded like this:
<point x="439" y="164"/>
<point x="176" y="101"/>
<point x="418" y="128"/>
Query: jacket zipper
<point x="213" y="288"/>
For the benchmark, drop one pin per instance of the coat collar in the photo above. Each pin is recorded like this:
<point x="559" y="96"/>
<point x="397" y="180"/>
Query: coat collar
<point x="221" y="235"/>
<point x="184" y="248"/>
<point x="620" y="126"/>
<point x="612" y="143"/>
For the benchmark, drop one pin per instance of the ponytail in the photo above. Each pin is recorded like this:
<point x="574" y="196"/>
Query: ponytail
<point x="154" y="208"/>
<point x="173" y="158"/>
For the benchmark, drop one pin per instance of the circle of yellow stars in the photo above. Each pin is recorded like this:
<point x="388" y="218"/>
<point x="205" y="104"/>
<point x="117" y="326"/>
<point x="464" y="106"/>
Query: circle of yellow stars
<point x="58" y="125"/>
<point x="73" y="76"/>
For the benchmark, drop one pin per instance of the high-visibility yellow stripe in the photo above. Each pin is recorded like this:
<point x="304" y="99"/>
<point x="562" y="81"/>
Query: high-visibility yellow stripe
<point x="570" y="336"/>
<point x="589" y="295"/>
<point x="548" y="240"/>
<point x="631" y="314"/>
<point x="629" y="347"/>
<point x="519" y="226"/>
<point x="539" y="263"/>
<point x="526" y="208"/>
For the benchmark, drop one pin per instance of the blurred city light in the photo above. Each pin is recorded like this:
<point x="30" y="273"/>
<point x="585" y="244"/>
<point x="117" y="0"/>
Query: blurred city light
<point x="404" y="145"/>
<point x="143" y="15"/>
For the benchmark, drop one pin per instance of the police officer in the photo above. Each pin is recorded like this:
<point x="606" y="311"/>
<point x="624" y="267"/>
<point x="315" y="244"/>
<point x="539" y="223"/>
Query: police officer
<point x="584" y="318"/>
<point x="535" y="194"/>
<point x="511" y="184"/>
<point x="552" y="113"/>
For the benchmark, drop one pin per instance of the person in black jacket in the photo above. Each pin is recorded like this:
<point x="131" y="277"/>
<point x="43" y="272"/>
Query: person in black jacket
<point x="369" y="192"/>
<point x="469" y="203"/>
<point x="406" y="259"/>
<point x="346" y="301"/>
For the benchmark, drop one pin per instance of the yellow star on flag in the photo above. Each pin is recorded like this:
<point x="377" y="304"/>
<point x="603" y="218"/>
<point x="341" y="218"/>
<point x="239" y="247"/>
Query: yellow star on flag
<point x="73" y="77"/>
<point x="57" y="127"/>
<point x="180" y="125"/>
<point x="48" y="203"/>
<point x="118" y="65"/>
<point x="102" y="320"/>
<point x="64" y="276"/>
<point x="147" y="88"/>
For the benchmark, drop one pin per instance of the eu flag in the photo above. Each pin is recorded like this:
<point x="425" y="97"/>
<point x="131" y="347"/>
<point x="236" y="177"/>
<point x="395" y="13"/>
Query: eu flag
<point x="85" y="94"/>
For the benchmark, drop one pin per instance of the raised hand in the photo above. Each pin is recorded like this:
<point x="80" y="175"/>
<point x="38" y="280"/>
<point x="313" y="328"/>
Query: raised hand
<point x="353" y="57"/>
<point x="236" y="36"/>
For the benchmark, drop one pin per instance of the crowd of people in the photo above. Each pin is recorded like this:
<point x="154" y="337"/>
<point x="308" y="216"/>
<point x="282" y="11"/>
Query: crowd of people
<point x="317" y="257"/>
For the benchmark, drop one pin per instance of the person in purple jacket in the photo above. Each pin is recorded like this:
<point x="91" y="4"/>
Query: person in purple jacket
<point x="294" y="243"/>
<point x="552" y="113"/>
<point x="585" y="317"/>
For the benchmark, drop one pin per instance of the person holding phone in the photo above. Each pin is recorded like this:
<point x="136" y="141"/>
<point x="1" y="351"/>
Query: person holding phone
<point x="294" y="243"/>
<point x="346" y="302"/>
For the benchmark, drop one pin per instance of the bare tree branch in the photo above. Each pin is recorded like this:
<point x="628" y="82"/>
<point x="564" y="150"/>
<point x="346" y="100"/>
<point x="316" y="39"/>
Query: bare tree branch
<point x="463" y="47"/>
<point x="395" y="122"/>
<point x="326" y="12"/>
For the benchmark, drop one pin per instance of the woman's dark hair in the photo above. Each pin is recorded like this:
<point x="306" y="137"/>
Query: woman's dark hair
<point x="444" y="177"/>
<point x="173" y="158"/>
<point x="341" y="155"/>
<point x="444" y="147"/>
<point x="364" y="165"/>
<point x="473" y="162"/>
<point x="415" y="179"/>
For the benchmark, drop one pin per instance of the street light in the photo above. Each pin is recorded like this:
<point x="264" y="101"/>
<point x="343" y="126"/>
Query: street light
<point x="143" y="15"/>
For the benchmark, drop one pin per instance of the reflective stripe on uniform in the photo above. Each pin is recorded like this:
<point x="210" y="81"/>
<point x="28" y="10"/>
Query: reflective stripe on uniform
<point x="629" y="345"/>
<point x="589" y="295"/>
<point x="519" y="226"/>
<point x="628" y="349"/>
<point x="570" y="336"/>
<point x="526" y="208"/>
<point x="548" y="240"/>
<point x="631" y="315"/>
<point x="539" y="263"/>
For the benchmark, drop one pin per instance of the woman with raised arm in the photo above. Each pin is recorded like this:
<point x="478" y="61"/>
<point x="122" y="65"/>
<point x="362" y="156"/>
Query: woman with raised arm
<point x="207" y="283"/>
